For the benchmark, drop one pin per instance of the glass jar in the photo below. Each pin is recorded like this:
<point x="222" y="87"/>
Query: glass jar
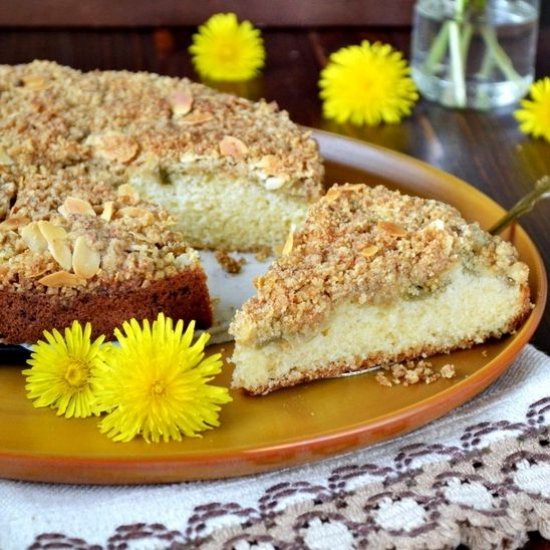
<point x="474" y="53"/>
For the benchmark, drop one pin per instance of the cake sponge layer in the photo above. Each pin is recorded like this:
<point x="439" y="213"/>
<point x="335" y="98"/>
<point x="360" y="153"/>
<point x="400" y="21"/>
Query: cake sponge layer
<point x="213" y="210"/>
<point x="469" y="309"/>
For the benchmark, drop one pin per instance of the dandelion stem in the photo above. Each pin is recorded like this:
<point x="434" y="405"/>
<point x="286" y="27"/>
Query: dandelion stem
<point x="524" y="205"/>
<point x="457" y="64"/>
<point x="467" y="33"/>
<point x="438" y="49"/>
<point x="487" y="64"/>
<point x="499" y="55"/>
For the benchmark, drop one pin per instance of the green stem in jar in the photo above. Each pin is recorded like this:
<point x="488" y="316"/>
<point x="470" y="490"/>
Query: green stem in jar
<point x="454" y="39"/>
<point x="457" y="66"/>
<point x="467" y="32"/>
<point x="438" y="49"/>
<point x="500" y="57"/>
<point x="487" y="64"/>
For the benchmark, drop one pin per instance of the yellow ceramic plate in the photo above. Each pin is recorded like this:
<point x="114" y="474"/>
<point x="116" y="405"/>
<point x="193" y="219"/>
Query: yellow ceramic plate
<point x="289" y="427"/>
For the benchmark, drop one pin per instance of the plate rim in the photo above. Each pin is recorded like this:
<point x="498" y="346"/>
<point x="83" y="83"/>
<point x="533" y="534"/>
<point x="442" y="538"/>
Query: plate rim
<point x="290" y="453"/>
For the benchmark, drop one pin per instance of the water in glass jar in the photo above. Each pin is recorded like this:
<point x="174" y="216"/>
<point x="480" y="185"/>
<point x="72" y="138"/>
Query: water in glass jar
<point x="482" y="60"/>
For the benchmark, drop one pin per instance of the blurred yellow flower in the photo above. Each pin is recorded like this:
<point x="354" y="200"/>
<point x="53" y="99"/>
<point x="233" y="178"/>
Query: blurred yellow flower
<point x="62" y="373"/>
<point x="224" y="49"/>
<point x="534" y="115"/>
<point x="156" y="383"/>
<point x="367" y="84"/>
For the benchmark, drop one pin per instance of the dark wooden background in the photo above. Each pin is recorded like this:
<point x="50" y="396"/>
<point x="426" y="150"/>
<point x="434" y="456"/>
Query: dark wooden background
<point x="148" y="13"/>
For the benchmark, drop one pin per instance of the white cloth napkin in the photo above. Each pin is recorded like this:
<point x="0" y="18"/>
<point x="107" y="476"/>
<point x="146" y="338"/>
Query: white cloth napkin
<point x="37" y="515"/>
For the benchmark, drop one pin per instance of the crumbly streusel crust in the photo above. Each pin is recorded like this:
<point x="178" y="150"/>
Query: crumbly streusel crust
<point x="372" y="246"/>
<point x="116" y="123"/>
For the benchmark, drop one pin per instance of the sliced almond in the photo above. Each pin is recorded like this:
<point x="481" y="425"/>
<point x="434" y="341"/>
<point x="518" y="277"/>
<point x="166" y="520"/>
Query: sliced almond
<point x="231" y="146"/>
<point x="392" y="228"/>
<point x="128" y="192"/>
<point x="109" y="262"/>
<point x="33" y="238"/>
<point x="269" y="164"/>
<point x="246" y="332"/>
<point x="51" y="231"/>
<point x="61" y="252"/>
<point x="13" y="222"/>
<point x="338" y="190"/>
<point x="369" y="251"/>
<point x="35" y="82"/>
<point x="181" y="102"/>
<point x="289" y="244"/>
<point x="273" y="182"/>
<point x="61" y="278"/>
<point x="73" y="205"/>
<point x="108" y="209"/>
<point x="5" y="159"/>
<point x="86" y="260"/>
<point x="332" y="194"/>
<point x="116" y="147"/>
<point x="197" y="117"/>
<point x="138" y="213"/>
<point x="353" y="187"/>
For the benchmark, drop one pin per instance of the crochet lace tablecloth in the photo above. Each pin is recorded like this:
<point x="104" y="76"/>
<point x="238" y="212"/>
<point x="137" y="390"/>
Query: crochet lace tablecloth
<point x="479" y="476"/>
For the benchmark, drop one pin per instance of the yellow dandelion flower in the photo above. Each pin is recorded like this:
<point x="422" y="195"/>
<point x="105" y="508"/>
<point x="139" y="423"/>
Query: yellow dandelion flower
<point x="534" y="116"/>
<point x="156" y="383"/>
<point x="367" y="84"/>
<point x="62" y="373"/>
<point x="224" y="49"/>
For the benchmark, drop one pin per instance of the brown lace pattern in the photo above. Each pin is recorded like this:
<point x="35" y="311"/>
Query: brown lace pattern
<point x="482" y="493"/>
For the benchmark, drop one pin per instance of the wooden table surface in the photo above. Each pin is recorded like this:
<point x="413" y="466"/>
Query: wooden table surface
<point x="484" y="149"/>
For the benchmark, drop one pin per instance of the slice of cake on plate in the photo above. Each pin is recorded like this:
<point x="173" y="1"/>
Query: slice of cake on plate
<point x="124" y="172"/>
<point x="374" y="277"/>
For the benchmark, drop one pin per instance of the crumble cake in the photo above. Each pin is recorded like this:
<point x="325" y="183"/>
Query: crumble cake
<point x="125" y="172"/>
<point x="375" y="277"/>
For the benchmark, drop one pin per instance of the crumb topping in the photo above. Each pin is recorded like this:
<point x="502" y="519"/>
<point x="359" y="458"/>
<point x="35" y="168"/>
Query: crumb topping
<point x="71" y="141"/>
<point x="60" y="243"/>
<point x="229" y="263"/>
<point x="117" y="121"/>
<point x="413" y="372"/>
<point x="367" y="245"/>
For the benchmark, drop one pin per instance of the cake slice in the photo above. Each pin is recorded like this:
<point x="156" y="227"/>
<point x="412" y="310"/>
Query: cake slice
<point x="125" y="172"/>
<point x="375" y="277"/>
